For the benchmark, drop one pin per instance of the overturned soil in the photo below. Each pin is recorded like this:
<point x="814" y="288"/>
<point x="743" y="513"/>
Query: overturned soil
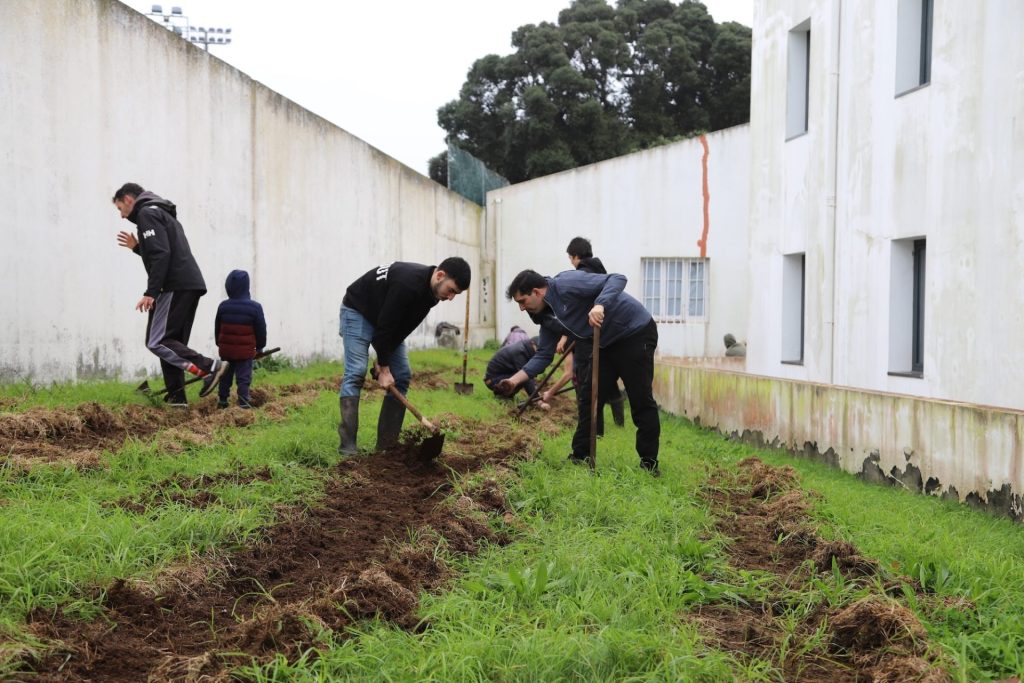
<point x="79" y="436"/>
<point x="765" y="514"/>
<point x="368" y="549"/>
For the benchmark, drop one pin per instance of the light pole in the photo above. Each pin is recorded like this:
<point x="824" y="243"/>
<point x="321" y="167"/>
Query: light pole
<point x="209" y="36"/>
<point x="177" y="22"/>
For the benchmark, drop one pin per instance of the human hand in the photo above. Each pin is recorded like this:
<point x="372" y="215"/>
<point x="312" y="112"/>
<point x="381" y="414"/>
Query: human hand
<point x="560" y="346"/>
<point x="384" y="378"/>
<point x="596" y="316"/>
<point x="546" y="396"/>
<point x="506" y="387"/>
<point x="127" y="240"/>
<point x="145" y="304"/>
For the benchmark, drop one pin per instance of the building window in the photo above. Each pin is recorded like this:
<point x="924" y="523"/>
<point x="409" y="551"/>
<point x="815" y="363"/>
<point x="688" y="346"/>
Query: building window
<point x="906" y="307"/>
<point x="798" y="80"/>
<point x="793" y="295"/>
<point x="913" y="44"/>
<point x="675" y="289"/>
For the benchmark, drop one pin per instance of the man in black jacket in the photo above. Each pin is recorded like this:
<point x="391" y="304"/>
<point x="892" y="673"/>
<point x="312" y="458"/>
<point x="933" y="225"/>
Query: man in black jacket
<point x="173" y="289"/>
<point x="381" y="309"/>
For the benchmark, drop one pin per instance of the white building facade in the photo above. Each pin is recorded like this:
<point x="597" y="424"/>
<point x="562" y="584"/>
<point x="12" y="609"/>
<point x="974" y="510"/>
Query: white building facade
<point x="886" y="237"/>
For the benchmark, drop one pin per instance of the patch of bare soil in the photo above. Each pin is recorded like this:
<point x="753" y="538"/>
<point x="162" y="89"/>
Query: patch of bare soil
<point x="79" y="435"/>
<point x="765" y="514"/>
<point x="368" y="549"/>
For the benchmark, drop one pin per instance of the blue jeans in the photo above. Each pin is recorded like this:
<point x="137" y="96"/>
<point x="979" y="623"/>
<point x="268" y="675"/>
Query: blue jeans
<point x="356" y="334"/>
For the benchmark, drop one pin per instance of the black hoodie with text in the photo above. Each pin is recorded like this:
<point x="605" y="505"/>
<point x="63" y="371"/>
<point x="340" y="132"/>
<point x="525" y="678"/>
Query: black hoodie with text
<point x="163" y="247"/>
<point x="395" y="299"/>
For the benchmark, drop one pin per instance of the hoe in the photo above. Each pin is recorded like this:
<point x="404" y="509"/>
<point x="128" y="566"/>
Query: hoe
<point x="144" y="387"/>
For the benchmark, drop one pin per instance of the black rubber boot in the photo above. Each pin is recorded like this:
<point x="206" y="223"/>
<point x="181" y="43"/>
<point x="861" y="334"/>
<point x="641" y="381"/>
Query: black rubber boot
<point x="618" y="411"/>
<point x="349" y="425"/>
<point x="389" y="425"/>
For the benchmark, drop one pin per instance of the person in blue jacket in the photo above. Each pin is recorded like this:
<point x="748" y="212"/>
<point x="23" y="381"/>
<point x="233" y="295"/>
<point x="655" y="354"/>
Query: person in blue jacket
<point x="580" y="301"/>
<point x="241" y="332"/>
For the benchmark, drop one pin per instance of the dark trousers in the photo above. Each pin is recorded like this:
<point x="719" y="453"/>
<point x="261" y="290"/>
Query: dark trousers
<point x="631" y="359"/>
<point x="581" y="355"/>
<point x="167" y="331"/>
<point x="241" y="372"/>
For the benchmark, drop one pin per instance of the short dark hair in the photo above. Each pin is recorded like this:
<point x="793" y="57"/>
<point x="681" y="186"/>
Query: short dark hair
<point x="580" y="248"/>
<point x="128" y="190"/>
<point x="524" y="283"/>
<point x="458" y="270"/>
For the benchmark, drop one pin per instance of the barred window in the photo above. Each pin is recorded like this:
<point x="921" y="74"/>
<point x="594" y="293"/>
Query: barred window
<point x="675" y="289"/>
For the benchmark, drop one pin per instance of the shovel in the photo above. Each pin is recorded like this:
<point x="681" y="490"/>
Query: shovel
<point x="144" y="387"/>
<point x="431" y="446"/>
<point x="462" y="387"/>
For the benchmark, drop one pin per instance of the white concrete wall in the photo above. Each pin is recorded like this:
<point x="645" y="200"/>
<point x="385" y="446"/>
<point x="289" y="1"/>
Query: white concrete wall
<point x="944" y="162"/>
<point x="92" y="95"/>
<point x="647" y="204"/>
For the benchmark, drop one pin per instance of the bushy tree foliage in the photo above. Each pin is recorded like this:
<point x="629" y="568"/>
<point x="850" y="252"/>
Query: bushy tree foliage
<point x="603" y="82"/>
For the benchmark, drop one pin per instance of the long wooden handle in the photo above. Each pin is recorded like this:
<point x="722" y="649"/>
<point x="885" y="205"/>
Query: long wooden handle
<point x="405" y="402"/>
<point x="465" y="340"/>
<point x="540" y="387"/>
<point x="595" y="375"/>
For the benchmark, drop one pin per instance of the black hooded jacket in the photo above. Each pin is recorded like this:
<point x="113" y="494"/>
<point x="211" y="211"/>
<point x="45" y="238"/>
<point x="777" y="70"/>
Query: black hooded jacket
<point x="163" y="247"/>
<point x="395" y="299"/>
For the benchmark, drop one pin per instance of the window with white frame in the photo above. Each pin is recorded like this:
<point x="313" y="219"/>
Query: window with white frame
<point x="798" y="80"/>
<point x="794" y="268"/>
<point x="906" y="307"/>
<point x="676" y="289"/>
<point x="913" y="44"/>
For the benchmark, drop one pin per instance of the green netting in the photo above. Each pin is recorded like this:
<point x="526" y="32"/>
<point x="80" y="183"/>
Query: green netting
<point x="468" y="176"/>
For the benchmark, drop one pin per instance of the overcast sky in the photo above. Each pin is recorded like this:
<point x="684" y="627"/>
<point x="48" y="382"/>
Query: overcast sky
<point x="380" y="70"/>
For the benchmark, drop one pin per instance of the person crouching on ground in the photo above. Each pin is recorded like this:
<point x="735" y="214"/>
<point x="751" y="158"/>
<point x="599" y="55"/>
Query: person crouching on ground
<point x="241" y="331"/>
<point x="506" y="361"/>
<point x="629" y="336"/>
<point x="380" y="309"/>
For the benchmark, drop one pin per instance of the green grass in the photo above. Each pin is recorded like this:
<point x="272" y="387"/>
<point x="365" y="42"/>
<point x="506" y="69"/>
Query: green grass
<point x="595" y="588"/>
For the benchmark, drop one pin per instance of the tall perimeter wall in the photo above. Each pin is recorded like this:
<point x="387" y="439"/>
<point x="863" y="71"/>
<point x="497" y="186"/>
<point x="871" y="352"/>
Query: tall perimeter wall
<point x="94" y="94"/>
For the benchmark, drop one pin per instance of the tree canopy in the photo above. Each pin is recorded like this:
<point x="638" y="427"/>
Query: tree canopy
<point x="604" y="81"/>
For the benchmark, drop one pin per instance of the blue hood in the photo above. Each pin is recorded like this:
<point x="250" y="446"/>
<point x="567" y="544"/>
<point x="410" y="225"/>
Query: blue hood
<point x="237" y="284"/>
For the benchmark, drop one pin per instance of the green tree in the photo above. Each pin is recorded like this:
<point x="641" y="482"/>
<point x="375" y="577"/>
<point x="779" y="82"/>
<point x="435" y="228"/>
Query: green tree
<point x="603" y="82"/>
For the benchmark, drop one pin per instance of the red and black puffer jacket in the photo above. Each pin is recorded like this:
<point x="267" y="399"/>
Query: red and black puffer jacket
<point x="240" y="328"/>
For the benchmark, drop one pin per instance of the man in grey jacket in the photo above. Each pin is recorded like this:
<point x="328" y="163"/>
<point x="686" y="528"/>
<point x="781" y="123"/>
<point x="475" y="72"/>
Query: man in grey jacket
<point x="580" y="301"/>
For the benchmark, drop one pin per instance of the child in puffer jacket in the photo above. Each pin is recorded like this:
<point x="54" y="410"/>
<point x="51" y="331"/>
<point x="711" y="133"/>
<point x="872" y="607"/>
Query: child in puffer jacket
<point x="241" y="331"/>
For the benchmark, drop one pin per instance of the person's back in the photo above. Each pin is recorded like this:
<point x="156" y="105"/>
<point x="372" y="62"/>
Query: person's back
<point x="514" y="336"/>
<point x="507" y="360"/>
<point x="240" y="330"/>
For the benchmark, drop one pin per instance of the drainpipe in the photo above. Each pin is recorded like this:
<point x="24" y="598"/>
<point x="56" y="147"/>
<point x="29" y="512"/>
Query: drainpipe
<point x="832" y="182"/>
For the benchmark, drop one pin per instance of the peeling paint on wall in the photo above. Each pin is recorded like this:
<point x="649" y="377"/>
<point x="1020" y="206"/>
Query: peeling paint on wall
<point x="954" y="450"/>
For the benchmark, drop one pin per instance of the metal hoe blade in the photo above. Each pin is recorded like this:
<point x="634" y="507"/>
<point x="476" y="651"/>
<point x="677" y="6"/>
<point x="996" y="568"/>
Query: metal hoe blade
<point x="431" y="447"/>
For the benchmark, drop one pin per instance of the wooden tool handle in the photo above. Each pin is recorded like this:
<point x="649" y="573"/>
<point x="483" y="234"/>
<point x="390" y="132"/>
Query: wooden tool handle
<point x="393" y="390"/>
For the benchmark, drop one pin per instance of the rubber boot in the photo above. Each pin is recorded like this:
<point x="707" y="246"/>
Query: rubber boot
<point x="349" y="425"/>
<point x="618" y="410"/>
<point x="389" y="425"/>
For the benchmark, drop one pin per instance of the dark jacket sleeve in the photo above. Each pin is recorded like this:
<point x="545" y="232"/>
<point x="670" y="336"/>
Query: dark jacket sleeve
<point x="156" y="250"/>
<point x="545" y="353"/>
<point x="387" y="334"/>
<point x="260" y="326"/>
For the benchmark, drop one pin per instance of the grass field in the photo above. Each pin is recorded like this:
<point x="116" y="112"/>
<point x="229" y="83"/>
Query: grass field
<point x="615" y="576"/>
